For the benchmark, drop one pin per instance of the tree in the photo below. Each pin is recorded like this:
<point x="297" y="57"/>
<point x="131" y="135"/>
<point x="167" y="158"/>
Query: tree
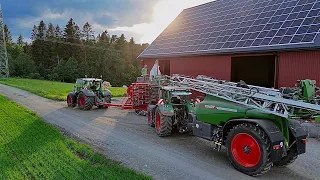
<point x="70" y="31"/>
<point x="70" y="53"/>
<point x="113" y="39"/>
<point x="39" y="48"/>
<point x="42" y="28"/>
<point x="7" y="35"/>
<point x="131" y="42"/>
<point x="58" y="33"/>
<point x="105" y="37"/>
<point x="120" y="42"/>
<point x="67" y="71"/>
<point x="20" y="41"/>
<point x="22" y="65"/>
<point x="72" y="35"/>
<point x="34" y="33"/>
<point x="50" y="34"/>
<point x="88" y="33"/>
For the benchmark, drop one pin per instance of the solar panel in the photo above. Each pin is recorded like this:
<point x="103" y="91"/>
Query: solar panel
<point x="237" y="26"/>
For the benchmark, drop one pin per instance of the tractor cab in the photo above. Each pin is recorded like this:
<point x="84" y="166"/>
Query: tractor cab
<point x="176" y="95"/>
<point x="96" y="84"/>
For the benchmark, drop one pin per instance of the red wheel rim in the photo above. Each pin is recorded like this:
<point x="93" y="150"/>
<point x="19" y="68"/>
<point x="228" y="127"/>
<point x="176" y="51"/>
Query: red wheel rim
<point x="69" y="101"/>
<point x="81" y="101"/>
<point x="158" y="122"/>
<point x="245" y="150"/>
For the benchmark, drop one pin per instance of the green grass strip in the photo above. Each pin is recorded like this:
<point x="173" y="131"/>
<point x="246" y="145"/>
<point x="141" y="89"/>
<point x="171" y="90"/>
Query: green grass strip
<point x="51" y="89"/>
<point x="32" y="149"/>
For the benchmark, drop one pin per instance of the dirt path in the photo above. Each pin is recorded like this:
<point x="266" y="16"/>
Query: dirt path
<point x="126" y="137"/>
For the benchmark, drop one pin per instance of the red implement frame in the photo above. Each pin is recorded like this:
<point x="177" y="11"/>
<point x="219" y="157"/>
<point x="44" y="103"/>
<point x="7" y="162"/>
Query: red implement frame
<point x="137" y="97"/>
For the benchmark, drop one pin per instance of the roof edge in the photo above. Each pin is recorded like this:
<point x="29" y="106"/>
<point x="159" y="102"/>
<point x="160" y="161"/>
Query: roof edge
<point x="239" y="51"/>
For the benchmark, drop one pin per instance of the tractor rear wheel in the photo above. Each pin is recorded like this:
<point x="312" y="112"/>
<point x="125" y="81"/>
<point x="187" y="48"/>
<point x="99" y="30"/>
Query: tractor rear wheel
<point x="70" y="101"/>
<point x="248" y="149"/>
<point x="150" y="118"/>
<point x="290" y="158"/>
<point x="85" y="102"/>
<point x="163" y="124"/>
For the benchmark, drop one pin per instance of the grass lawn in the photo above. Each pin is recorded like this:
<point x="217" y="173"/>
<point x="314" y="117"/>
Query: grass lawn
<point x="51" y="89"/>
<point x="33" y="149"/>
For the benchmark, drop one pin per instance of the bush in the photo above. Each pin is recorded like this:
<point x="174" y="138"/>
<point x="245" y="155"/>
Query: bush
<point x="34" y="76"/>
<point x="22" y="66"/>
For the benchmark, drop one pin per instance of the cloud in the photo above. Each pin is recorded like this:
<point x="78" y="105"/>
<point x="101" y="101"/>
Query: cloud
<point x="102" y="15"/>
<point x="47" y="15"/>
<point x="164" y="13"/>
<point x="142" y="19"/>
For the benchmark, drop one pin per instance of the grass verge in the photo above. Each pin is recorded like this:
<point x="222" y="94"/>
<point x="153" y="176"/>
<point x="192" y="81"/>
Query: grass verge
<point x="50" y="89"/>
<point x="33" y="149"/>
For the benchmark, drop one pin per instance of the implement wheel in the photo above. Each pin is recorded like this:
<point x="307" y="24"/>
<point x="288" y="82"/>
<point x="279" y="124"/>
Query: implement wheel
<point x="290" y="158"/>
<point x="85" y="102"/>
<point x="248" y="149"/>
<point x="163" y="124"/>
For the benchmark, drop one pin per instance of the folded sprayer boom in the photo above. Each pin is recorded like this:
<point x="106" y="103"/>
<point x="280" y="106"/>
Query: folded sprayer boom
<point x="265" y="99"/>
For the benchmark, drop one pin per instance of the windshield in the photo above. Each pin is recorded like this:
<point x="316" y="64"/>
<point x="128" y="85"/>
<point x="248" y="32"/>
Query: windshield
<point x="95" y="85"/>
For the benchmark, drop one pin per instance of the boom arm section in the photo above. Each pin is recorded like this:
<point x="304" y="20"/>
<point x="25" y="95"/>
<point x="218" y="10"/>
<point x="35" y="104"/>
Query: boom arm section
<point x="264" y="99"/>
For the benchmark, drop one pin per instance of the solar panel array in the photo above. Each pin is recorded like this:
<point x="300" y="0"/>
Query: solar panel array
<point x="233" y="25"/>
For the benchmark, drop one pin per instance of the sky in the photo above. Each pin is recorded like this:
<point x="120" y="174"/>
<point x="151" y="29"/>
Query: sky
<point x="143" y="20"/>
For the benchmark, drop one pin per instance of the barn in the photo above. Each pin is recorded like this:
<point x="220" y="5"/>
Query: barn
<point x="270" y="43"/>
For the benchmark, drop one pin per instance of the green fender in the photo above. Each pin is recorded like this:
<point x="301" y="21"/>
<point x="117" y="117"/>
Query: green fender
<point x="164" y="109"/>
<point x="87" y="92"/>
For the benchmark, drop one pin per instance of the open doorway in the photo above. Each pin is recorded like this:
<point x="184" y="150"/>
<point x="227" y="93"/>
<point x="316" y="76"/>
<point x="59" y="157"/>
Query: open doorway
<point x="254" y="70"/>
<point x="165" y="67"/>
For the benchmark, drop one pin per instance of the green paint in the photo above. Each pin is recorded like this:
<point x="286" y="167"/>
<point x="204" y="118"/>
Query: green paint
<point x="218" y="111"/>
<point x="91" y="85"/>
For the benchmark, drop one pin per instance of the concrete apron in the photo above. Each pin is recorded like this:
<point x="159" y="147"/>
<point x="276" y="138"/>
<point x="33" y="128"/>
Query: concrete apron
<point x="313" y="129"/>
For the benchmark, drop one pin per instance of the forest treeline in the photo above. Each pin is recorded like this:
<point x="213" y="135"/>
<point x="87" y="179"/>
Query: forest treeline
<point x="72" y="52"/>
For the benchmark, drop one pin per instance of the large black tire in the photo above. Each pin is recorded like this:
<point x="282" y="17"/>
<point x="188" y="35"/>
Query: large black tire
<point x="163" y="124"/>
<point x="150" y="118"/>
<point x="70" y="101"/>
<point x="85" y="102"/>
<point x="289" y="158"/>
<point x="248" y="149"/>
<point x="107" y="99"/>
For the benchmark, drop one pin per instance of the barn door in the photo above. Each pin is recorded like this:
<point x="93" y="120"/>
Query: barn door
<point x="165" y="67"/>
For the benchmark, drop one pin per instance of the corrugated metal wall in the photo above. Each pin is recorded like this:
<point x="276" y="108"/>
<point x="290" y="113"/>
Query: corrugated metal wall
<point x="292" y="66"/>
<point x="298" y="65"/>
<point x="215" y="66"/>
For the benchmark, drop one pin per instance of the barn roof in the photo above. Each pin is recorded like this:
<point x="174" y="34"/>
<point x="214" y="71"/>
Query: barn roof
<point x="233" y="26"/>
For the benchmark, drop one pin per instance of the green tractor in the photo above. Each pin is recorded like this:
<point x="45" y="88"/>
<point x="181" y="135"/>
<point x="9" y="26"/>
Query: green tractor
<point x="169" y="107"/>
<point x="253" y="123"/>
<point x="89" y="92"/>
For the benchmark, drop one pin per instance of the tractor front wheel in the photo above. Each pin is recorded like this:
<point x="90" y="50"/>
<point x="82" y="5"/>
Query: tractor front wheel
<point x="290" y="158"/>
<point x="163" y="124"/>
<point x="85" y="102"/>
<point x="70" y="101"/>
<point x="107" y="99"/>
<point x="248" y="149"/>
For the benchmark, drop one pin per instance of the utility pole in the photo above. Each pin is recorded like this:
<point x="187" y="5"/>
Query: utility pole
<point x="4" y="69"/>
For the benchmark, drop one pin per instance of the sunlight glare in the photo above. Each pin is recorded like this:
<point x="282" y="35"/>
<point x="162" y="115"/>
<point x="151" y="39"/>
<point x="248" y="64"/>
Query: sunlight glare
<point x="164" y="13"/>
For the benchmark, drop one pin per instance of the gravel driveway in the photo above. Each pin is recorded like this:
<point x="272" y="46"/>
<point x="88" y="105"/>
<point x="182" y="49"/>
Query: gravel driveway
<point x="126" y="137"/>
